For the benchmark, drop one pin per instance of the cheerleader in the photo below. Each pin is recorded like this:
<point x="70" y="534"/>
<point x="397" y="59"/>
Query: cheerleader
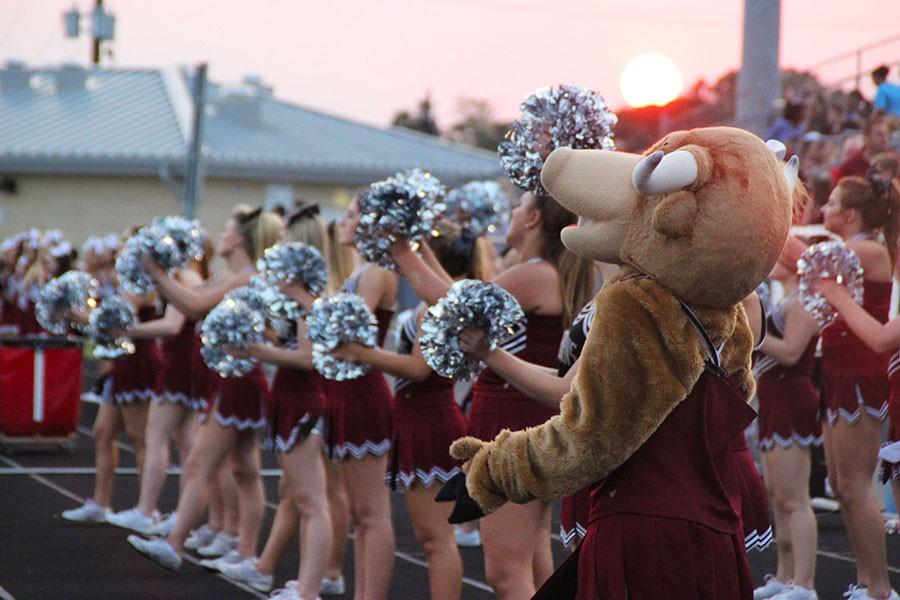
<point x="128" y="389"/>
<point x="238" y="407"/>
<point x="427" y="420"/>
<point x="360" y="427"/>
<point x="855" y="374"/>
<point x="296" y="425"/>
<point x="788" y="427"/>
<point x="341" y="263"/>
<point x="171" y="414"/>
<point x="551" y="284"/>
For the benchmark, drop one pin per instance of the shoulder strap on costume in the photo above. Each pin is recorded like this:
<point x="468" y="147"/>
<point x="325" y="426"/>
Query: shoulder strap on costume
<point x="714" y="355"/>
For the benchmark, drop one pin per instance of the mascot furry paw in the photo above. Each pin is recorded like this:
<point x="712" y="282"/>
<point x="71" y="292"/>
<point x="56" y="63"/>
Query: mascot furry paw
<point x="661" y="392"/>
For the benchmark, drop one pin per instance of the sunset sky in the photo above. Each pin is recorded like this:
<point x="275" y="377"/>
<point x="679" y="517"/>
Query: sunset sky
<point x="366" y="59"/>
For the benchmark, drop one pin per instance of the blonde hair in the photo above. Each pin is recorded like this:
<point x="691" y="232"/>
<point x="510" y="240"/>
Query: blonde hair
<point x="341" y="259"/>
<point x="311" y="230"/>
<point x="258" y="229"/>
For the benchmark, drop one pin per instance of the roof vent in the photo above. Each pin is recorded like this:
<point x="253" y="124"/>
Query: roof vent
<point x="242" y="103"/>
<point x="71" y="78"/>
<point x="15" y="77"/>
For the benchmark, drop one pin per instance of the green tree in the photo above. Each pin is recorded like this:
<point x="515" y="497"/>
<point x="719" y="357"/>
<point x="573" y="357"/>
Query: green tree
<point x="477" y="125"/>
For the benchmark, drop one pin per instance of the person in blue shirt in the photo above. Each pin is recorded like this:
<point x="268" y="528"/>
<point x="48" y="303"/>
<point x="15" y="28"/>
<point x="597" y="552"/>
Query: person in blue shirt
<point x="887" y="95"/>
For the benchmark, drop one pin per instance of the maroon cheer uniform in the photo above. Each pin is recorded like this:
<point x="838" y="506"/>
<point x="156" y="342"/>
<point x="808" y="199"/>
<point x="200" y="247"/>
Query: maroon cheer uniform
<point x="855" y="376"/>
<point x="426" y="421"/>
<point x="134" y="377"/>
<point x="240" y="402"/>
<point x="894" y="406"/>
<point x="497" y="405"/>
<point x="360" y="412"/>
<point x="175" y="381"/>
<point x="296" y="407"/>
<point x="789" y="405"/>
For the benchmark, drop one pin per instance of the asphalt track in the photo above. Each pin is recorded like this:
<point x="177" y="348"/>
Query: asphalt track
<point x="44" y="557"/>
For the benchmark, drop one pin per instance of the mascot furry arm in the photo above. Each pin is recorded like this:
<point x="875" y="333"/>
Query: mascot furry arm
<point x="702" y="217"/>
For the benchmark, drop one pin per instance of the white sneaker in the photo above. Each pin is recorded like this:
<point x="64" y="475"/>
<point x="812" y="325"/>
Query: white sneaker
<point x="333" y="587"/>
<point x="89" y="512"/>
<point x="769" y="589"/>
<point x="200" y="537"/>
<point x="157" y="549"/>
<point x="233" y="557"/>
<point x="467" y="539"/>
<point x="247" y="572"/>
<point x="132" y="519"/>
<point x="796" y="592"/>
<point x="855" y="592"/>
<point x="91" y="397"/>
<point x="221" y="545"/>
<point x="288" y="592"/>
<point x="165" y="526"/>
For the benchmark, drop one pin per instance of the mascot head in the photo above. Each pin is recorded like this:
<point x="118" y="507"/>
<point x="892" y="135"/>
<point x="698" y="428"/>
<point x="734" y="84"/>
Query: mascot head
<point x="704" y="212"/>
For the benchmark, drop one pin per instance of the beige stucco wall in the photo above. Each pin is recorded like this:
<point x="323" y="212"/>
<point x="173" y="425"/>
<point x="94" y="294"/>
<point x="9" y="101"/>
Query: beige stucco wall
<point x="92" y="205"/>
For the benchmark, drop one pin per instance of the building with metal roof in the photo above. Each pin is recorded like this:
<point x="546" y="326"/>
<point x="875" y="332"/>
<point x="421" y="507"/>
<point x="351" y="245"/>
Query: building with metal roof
<point x="94" y="149"/>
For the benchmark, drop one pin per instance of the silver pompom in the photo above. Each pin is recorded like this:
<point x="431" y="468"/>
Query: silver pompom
<point x="231" y="323"/>
<point x="335" y="320"/>
<point x="828" y="260"/>
<point x="468" y="304"/>
<point x="171" y="242"/>
<point x="479" y="207"/>
<point x="268" y="301"/>
<point x="112" y="316"/>
<point x="72" y="291"/>
<point x="565" y="116"/>
<point x="295" y="263"/>
<point x="189" y="235"/>
<point x="403" y="206"/>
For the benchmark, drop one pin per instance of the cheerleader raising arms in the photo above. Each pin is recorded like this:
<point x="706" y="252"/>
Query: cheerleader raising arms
<point x="229" y="431"/>
<point x="551" y="284"/>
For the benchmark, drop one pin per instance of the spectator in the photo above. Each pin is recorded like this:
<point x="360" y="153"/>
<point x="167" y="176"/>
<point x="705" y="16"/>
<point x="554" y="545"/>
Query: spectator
<point x="886" y="165"/>
<point x="887" y="95"/>
<point x="791" y="125"/>
<point x="875" y="141"/>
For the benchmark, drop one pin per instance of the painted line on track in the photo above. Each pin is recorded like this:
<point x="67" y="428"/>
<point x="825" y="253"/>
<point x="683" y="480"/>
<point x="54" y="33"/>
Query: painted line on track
<point x="4" y="595"/>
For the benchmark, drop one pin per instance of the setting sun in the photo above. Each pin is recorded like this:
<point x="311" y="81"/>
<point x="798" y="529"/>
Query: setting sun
<point x="650" y="79"/>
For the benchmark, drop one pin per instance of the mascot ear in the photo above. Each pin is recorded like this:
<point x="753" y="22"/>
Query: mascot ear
<point x="674" y="216"/>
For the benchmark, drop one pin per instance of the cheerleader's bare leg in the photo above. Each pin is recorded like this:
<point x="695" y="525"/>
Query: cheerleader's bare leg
<point x="162" y="420"/>
<point x="509" y="537"/>
<point x="210" y="450"/>
<point x="245" y="461"/>
<point x="305" y="471"/>
<point x="855" y="458"/>
<point x="437" y="540"/>
<point x="339" y="510"/>
<point x="787" y="471"/>
<point x="542" y="563"/>
<point x="106" y="427"/>
<point x="371" y="507"/>
<point x="284" y="526"/>
<point x="229" y="498"/>
<point x="134" y="416"/>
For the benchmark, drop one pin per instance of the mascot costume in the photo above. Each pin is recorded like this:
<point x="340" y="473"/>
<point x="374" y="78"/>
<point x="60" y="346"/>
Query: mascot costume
<point x="696" y="224"/>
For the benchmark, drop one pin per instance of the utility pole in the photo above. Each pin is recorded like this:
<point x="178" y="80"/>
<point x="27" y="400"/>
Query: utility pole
<point x="95" y="40"/>
<point x="759" y="81"/>
<point x="193" y="173"/>
<point x="103" y="27"/>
